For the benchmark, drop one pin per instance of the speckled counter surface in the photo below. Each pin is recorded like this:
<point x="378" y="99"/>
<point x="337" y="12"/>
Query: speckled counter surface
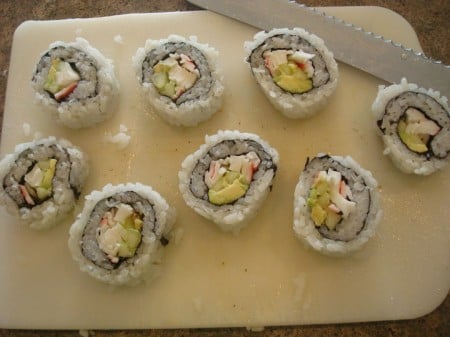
<point x="428" y="18"/>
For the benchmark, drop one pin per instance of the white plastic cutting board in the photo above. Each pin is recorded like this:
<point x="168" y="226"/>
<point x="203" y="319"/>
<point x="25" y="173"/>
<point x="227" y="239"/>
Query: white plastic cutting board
<point x="262" y="277"/>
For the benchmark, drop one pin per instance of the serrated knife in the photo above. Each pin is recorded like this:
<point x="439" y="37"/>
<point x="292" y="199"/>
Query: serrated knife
<point x="350" y="44"/>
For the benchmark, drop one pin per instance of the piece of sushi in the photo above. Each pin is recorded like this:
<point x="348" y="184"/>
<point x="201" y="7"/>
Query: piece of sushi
<point x="119" y="235"/>
<point x="294" y="69"/>
<point x="227" y="179"/>
<point x="180" y="79"/>
<point x="42" y="180"/>
<point x="414" y="124"/>
<point x="336" y="205"/>
<point x="76" y="82"/>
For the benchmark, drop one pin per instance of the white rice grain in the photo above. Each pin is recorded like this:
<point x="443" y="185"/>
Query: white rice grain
<point x="118" y="39"/>
<point x="120" y="139"/>
<point x="26" y="128"/>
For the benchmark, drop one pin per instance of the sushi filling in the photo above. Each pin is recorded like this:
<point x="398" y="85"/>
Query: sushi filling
<point x="37" y="173"/>
<point x="329" y="199"/>
<point x="228" y="179"/>
<point x="416" y="130"/>
<point x="420" y="124"/>
<point x="290" y="70"/>
<point x="179" y="71"/>
<point x="226" y="172"/>
<point x="119" y="233"/>
<point x="175" y="75"/>
<point x="67" y="73"/>
<point x="37" y="183"/>
<point x="338" y="199"/>
<point x="61" y="80"/>
<point x="292" y="62"/>
<point x="119" y="227"/>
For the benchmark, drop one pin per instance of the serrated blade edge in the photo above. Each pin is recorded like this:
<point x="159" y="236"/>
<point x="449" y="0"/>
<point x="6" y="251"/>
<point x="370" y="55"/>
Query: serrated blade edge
<point x="349" y="43"/>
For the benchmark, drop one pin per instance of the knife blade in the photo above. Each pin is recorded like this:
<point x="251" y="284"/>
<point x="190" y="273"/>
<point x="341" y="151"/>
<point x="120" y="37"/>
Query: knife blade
<point x="383" y="58"/>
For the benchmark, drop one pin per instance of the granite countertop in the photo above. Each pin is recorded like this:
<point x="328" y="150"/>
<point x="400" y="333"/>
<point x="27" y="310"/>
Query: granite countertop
<point x="429" y="18"/>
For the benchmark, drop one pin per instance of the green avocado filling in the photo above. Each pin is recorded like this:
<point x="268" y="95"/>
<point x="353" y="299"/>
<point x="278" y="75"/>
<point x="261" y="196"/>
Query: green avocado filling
<point x="50" y="83"/>
<point x="230" y="187"/>
<point x="175" y="75"/>
<point x="290" y="77"/>
<point x="120" y="232"/>
<point x="413" y="141"/>
<point x="38" y="182"/>
<point x="228" y="179"/>
<point x="162" y="82"/>
<point x="417" y="130"/>
<point x="61" y="79"/>
<point x="132" y="236"/>
<point x="319" y="200"/>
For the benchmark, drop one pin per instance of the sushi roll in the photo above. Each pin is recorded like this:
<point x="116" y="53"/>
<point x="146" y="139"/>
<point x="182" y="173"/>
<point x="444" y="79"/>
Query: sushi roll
<point x="42" y="180"/>
<point x="227" y="179"/>
<point x="336" y="205"/>
<point x="180" y="79"/>
<point x="414" y="124"/>
<point x="294" y="69"/>
<point x="76" y="82"/>
<point x="119" y="235"/>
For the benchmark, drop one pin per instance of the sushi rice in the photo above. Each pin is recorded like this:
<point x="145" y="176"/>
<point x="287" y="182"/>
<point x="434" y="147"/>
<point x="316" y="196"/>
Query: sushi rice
<point x="76" y="83"/>
<point x="21" y="168"/>
<point x="271" y="51"/>
<point x="230" y="215"/>
<point x="88" y="247"/>
<point x="423" y="146"/>
<point x="357" y="215"/>
<point x="200" y="98"/>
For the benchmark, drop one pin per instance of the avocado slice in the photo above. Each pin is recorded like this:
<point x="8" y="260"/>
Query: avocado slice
<point x="133" y="237"/>
<point x="318" y="214"/>
<point x="50" y="82"/>
<point x="131" y="240"/>
<point x="411" y="140"/>
<point x="60" y="76"/>
<point x="132" y="222"/>
<point x="228" y="188"/>
<point x="319" y="194"/>
<point x="332" y="219"/>
<point x="49" y="174"/>
<point x="318" y="200"/>
<point x="128" y="222"/>
<point x="292" y="78"/>
<point x="124" y="250"/>
<point x="43" y="193"/>
<point x="161" y="81"/>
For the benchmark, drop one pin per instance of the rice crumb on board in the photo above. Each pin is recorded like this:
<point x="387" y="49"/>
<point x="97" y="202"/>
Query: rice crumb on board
<point x="78" y="31"/>
<point x="121" y="139"/>
<point x="26" y="128"/>
<point x="118" y="39"/>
